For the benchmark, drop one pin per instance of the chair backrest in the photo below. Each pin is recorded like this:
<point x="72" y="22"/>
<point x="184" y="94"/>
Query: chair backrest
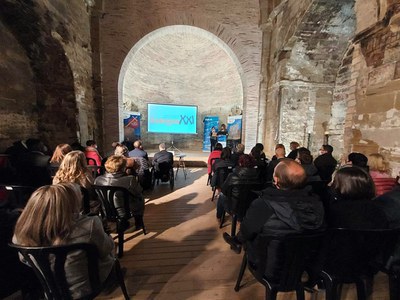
<point x="114" y="201"/>
<point x="352" y="252"/>
<point x="49" y="263"/>
<point x="283" y="260"/>
<point x="241" y="196"/>
<point x="383" y="185"/>
<point x="221" y="174"/>
<point x="91" y="161"/>
<point x="17" y="195"/>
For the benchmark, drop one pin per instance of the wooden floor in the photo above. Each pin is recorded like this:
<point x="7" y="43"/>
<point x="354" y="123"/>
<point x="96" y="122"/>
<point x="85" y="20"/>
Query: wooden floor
<point x="183" y="255"/>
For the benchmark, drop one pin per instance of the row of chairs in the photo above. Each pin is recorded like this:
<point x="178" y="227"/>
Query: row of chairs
<point x="333" y="258"/>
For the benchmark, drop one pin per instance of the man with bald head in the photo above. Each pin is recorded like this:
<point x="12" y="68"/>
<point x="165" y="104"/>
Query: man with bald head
<point x="138" y="150"/>
<point x="286" y="208"/>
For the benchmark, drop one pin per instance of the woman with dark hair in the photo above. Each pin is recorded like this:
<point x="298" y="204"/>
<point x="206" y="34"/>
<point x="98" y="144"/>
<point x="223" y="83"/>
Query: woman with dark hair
<point x="351" y="205"/>
<point x="222" y="162"/>
<point x="213" y="138"/>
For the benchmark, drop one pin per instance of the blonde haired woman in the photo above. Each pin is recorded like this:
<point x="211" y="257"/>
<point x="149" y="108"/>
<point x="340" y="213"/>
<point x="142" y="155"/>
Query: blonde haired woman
<point x="58" y="155"/>
<point x="51" y="217"/>
<point x="74" y="169"/>
<point x="378" y="166"/>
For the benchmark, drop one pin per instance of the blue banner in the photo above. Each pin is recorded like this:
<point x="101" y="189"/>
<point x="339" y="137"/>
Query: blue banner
<point x="132" y="127"/>
<point x="209" y="123"/>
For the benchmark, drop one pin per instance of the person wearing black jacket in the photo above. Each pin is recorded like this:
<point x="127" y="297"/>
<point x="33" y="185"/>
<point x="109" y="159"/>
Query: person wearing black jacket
<point x="288" y="208"/>
<point x="243" y="173"/>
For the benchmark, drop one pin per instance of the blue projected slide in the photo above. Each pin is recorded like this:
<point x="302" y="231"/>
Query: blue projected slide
<point x="165" y="118"/>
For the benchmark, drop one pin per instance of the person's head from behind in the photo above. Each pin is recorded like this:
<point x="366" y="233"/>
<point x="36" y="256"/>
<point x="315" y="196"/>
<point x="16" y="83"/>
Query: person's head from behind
<point x="115" y="164"/>
<point x="91" y="143"/>
<point x="73" y="165"/>
<point x="121" y="150"/>
<point x="358" y="160"/>
<point x="260" y="146"/>
<point x="226" y="153"/>
<point x="326" y="149"/>
<point x="218" y="147"/>
<point x="353" y="183"/>
<point x="255" y="153"/>
<point x="60" y="152"/>
<point x="137" y="144"/>
<point x="49" y="215"/>
<point x="304" y="156"/>
<point x="377" y="162"/>
<point x="162" y="146"/>
<point x="246" y="161"/>
<point x="289" y="175"/>
<point x="35" y="145"/>
<point x="294" y="145"/>
<point x="240" y="148"/>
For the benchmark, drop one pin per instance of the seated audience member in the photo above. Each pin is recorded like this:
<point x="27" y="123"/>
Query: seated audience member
<point x="92" y="152"/>
<point x="138" y="150"/>
<point x="222" y="162"/>
<point x="278" y="146"/>
<point x="115" y="176"/>
<point x="243" y="173"/>
<point x="131" y="165"/>
<point x="112" y="150"/>
<point x="358" y="160"/>
<point x="73" y="169"/>
<point x="305" y="158"/>
<point x="236" y="155"/>
<point x="351" y="205"/>
<point x="390" y="204"/>
<point x="51" y="217"/>
<point x="58" y="155"/>
<point x="294" y="146"/>
<point x="261" y="164"/>
<point x="381" y="174"/>
<point x="77" y="146"/>
<point x="32" y="167"/>
<point x="262" y="154"/>
<point x="378" y="166"/>
<point x="286" y="209"/>
<point x="214" y="155"/>
<point x="279" y="155"/>
<point x="163" y="156"/>
<point x="325" y="163"/>
<point x="14" y="275"/>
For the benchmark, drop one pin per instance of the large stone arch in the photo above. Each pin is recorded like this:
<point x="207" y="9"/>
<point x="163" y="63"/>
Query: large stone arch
<point x="236" y="25"/>
<point x="181" y="64"/>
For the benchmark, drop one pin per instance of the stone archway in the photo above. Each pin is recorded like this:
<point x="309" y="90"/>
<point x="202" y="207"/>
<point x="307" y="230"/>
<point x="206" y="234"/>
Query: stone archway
<point x="181" y="64"/>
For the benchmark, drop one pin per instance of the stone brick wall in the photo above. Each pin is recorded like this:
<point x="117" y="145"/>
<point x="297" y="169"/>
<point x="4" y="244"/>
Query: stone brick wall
<point x="55" y="79"/>
<point x="372" y="121"/>
<point x="125" y="23"/>
<point x="306" y="44"/>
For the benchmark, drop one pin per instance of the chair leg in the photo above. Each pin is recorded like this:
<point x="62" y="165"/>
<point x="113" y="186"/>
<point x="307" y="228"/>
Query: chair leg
<point x="213" y="195"/>
<point x="330" y="286"/>
<point x="120" y="244"/>
<point x="300" y="293"/>
<point x="222" y="219"/>
<point x="241" y="272"/>
<point x="394" y="286"/>
<point x="120" y="279"/>
<point x="233" y="227"/>
<point x="361" y="294"/>
<point x="270" y="293"/>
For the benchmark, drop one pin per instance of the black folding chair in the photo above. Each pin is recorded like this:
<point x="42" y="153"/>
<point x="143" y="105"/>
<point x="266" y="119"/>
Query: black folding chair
<point x="221" y="174"/>
<point x="352" y="255"/>
<point x="237" y="206"/>
<point x="49" y="264"/>
<point x="107" y="195"/>
<point x="17" y="195"/>
<point x="163" y="171"/>
<point x="283" y="262"/>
